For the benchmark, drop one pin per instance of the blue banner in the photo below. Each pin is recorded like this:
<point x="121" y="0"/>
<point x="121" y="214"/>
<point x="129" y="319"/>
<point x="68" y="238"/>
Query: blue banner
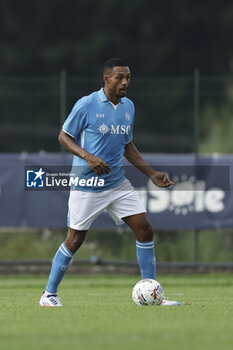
<point x="201" y="198"/>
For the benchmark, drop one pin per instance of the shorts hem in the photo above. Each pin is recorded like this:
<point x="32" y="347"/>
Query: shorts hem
<point x="131" y="214"/>
<point x="78" y="228"/>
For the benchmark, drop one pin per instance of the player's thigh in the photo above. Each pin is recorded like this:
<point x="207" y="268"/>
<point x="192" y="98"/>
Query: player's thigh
<point x="141" y="226"/>
<point x="125" y="202"/>
<point x="84" y="208"/>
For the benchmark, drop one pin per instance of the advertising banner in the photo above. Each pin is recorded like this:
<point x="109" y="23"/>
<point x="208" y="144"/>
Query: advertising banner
<point x="34" y="191"/>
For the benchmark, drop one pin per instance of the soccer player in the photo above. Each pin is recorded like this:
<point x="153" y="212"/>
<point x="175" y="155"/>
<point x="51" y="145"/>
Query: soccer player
<point x="98" y="132"/>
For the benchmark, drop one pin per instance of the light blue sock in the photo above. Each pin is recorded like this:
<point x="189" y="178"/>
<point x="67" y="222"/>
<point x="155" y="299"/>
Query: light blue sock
<point x="60" y="264"/>
<point x="146" y="259"/>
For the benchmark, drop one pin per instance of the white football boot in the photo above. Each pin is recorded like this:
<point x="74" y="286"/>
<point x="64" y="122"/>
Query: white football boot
<point x="166" y="302"/>
<point x="49" y="299"/>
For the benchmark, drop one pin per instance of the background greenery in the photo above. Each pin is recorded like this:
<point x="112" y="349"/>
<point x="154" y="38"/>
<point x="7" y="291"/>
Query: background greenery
<point x="214" y="246"/>
<point x="158" y="38"/>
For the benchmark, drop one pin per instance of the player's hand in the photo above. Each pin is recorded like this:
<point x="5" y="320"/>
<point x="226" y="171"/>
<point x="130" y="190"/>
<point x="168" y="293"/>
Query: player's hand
<point x="161" y="180"/>
<point x="98" y="165"/>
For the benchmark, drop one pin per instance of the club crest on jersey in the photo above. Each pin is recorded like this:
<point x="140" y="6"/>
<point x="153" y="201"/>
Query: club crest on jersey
<point x="127" y="116"/>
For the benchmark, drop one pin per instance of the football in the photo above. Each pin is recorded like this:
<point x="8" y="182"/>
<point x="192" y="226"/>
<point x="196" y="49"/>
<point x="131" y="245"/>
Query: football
<point x="148" y="292"/>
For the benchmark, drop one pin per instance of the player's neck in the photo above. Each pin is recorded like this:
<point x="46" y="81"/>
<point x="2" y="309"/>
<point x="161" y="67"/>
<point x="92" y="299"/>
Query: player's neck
<point x="112" y="98"/>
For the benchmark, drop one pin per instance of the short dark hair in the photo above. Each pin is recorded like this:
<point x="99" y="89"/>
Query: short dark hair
<point x="114" y="62"/>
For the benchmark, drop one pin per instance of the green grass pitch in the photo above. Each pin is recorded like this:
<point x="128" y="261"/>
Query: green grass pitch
<point x="98" y="313"/>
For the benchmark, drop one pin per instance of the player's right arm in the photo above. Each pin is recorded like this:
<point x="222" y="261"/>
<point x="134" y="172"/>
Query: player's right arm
<point x="76" y="122"/>
<point x="95" y="163"/>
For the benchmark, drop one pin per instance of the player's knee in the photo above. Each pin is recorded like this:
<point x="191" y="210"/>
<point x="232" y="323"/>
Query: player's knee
<point x="78" y="239"/>
<point x="74" y="240"/>
<point x="146" y="232"/>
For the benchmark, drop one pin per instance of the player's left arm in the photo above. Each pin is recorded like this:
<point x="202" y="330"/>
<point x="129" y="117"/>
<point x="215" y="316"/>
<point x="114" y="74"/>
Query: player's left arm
<point x="134" y="157"/>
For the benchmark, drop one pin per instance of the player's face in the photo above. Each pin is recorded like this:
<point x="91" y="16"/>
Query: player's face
<point x="117" y="81"/>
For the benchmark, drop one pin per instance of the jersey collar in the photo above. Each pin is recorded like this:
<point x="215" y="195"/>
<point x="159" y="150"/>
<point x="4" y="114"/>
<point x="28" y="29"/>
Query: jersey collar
<point x="104" y="98"/>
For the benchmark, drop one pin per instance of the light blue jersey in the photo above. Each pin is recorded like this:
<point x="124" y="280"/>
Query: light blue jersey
<point x="103" y="130"/>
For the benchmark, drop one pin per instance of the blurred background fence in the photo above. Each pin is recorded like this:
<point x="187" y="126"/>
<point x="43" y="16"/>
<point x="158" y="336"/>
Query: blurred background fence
<point x="173" y="114"/>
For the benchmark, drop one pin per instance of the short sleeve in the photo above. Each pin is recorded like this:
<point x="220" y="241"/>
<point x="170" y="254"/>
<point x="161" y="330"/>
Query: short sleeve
<point x="76" y="121"/>
<point x="129" y="136"/>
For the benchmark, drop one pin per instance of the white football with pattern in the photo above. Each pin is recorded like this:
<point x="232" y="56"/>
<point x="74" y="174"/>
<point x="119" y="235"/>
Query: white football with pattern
<point x="147" y="292"/>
